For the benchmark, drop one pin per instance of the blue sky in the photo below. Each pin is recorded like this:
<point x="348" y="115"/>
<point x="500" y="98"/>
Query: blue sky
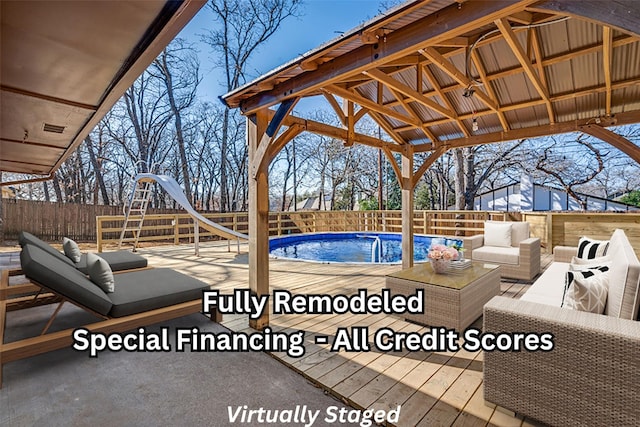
<point x="320" y="21"/>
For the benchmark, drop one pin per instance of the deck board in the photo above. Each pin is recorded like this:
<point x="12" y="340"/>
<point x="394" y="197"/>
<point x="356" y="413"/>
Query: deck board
<point x="443" y="388"/>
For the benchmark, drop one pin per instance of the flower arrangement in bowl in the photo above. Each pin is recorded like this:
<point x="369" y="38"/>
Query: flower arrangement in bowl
<point x="440" y="256"/>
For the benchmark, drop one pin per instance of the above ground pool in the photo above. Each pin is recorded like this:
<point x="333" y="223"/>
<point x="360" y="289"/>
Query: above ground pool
<point x="350" y="247"/>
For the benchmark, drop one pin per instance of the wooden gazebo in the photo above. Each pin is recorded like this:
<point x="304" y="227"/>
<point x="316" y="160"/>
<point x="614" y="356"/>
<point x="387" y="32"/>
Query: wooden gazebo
<point x="443" y="74"/>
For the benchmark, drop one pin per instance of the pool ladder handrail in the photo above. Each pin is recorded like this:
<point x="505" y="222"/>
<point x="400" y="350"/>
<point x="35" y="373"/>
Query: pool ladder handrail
<point x="376" y="244"/>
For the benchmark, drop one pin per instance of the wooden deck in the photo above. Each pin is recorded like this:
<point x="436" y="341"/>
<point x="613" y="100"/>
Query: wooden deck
<point x="433" y="388"/>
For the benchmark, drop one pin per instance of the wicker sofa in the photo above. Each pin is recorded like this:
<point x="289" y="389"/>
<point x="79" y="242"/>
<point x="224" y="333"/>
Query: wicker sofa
<point x="518" y="259"/>
<point x="591" y="375"/>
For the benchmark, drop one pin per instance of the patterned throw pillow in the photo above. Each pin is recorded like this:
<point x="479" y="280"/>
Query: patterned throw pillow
<point x="570" y="278"/>
<point x="589" y="248"/>
<point x="591" y="294"/>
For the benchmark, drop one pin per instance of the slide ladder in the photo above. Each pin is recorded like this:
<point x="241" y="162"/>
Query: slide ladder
<point x="134" y="214"/>
<point x="140" y="199"/>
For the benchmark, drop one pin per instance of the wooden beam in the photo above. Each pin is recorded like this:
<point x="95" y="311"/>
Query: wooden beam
<point x="284" y="138"/>
<point x="449" y="22"/>
<point x="371" y="105"/>
<point x="514" y="44"/>
<point x="537" y="50"/>
<point x="434" y="82"/>
<point x="523" y="17"/>
<point x="409" y="109"/>
<point x="350" y="123"/>
<point x="619" y="14"/>
<point x="435" y="155"/>
<point x="607" y="55"/>
<point x="407" y="91"/>
<point x="275" y="122"/>
<point x="436" y="57"/>
<point x="336" y="107"/>
<point x="618" y="141"/>
<point x="382" y="122"/>
<point x="360" y="114"/>
<point x="338" y="133"/>
<point x="394" y="165"/>
<point x="258" y="216"/>
<point x="533" y="132"/>
<point x="407" y="207"/>
<point x="487" y="85"/>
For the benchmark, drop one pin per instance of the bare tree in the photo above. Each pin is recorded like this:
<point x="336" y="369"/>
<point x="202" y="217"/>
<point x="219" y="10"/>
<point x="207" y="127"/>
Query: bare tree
<point x="571" y="171"/>
<point x="243" y="26"/>
<point x="96" y="163"/>
<point x="178" y="68"/>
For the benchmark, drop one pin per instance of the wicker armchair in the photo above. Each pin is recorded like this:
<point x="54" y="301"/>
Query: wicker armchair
<point x="520" y="260"/>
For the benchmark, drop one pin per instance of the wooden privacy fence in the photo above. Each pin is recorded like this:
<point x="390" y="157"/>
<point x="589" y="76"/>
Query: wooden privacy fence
<point x="53" y="221"/>
<point x="566" y="228"/>
<point x="178" y="228"/>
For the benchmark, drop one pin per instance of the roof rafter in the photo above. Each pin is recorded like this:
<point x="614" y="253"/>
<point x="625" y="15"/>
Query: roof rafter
<point x="436" y="57"/>
<point x="380" y="120"/>
<point x="371" y="105"/>
<point x="487" y="85"/>
<point x="607" y="55"/>
<point x="409" y="109"/>
<point x="514" y="44"/>
<point x="434" y="82"/>
<point x="407" y="91"/>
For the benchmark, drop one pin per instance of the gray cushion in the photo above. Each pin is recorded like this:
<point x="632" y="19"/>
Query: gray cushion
<point x="71" y="249"/>
<point x="100" y="273"/>
<point x="118" y="260"/>
<point x="63" y="279"/>
<point x="145" y="290"/>
<point x="25" y="238"/>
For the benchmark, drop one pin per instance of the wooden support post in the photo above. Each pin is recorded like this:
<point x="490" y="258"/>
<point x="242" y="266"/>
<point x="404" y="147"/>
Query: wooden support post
<point x="176" y="230"/>
<point x="258" y="215"/>
<point x="196" y="236"/>
<point x="99" y="233"/>
<point x="407" y="207"/>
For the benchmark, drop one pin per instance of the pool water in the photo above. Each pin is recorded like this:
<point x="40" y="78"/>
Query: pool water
<point x="365" y="247"/>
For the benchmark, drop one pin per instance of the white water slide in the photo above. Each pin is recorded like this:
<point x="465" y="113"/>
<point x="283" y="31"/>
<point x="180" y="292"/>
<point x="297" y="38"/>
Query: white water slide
<point x="174" y="190"/>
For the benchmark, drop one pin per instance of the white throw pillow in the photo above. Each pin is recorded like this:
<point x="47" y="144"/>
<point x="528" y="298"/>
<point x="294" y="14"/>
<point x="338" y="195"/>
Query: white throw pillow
<point x="497" y="234"/>
<point x="71" y="249"/>
<point x="100" y="273"/>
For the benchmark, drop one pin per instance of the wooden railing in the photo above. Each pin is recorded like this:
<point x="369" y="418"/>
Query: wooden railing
<point x="178" y="228"/>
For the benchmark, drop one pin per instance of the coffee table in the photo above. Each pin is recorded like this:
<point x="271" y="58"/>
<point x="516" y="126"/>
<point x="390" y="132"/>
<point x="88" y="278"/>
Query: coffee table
<point x="454" y="299"/>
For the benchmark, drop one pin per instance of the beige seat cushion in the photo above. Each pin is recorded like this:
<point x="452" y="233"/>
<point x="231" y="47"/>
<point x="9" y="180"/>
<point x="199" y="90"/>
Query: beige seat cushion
<point x="549" y="288"/>
<point x="497" y="255"/>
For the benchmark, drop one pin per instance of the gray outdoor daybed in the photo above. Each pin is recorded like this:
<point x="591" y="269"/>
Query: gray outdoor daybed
<point x="140" y="297"/>
<point x="117" y="260"/>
